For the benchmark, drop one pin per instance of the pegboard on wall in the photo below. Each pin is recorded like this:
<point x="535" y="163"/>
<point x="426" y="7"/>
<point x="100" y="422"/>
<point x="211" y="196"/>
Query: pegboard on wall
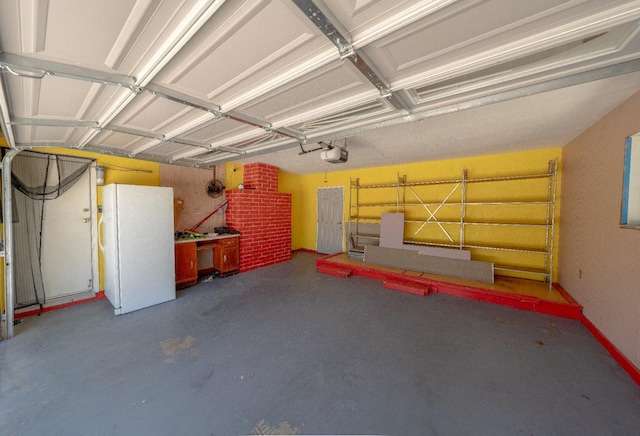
<point x="190" y="185"/>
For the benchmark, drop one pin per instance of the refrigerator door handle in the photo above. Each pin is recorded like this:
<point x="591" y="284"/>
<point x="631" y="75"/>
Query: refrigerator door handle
<point x="99" y="234"/>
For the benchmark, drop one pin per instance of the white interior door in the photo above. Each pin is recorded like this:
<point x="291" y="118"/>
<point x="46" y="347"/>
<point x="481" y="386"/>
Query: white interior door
<point x="330" y="232"/>
<point x="68" y="252"/>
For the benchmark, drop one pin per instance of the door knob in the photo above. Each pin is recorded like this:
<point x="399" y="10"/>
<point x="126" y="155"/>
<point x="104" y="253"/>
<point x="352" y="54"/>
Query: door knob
<point x="86" y="220"/>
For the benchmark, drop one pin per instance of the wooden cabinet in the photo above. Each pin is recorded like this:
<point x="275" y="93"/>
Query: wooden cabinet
<point x="194" y="258"/>
<point x="186" y="264"/>
<point x="226" y="256"/>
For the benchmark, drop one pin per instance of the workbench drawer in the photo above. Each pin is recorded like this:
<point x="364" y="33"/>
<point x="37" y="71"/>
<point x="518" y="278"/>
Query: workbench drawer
<point x="228" y="242"/>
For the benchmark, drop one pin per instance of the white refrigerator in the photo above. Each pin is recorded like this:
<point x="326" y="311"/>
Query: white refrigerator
<point x="138" y="247"/>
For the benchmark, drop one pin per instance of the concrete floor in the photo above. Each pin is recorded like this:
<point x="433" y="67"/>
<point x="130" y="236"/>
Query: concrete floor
<point x="286" y="350"/>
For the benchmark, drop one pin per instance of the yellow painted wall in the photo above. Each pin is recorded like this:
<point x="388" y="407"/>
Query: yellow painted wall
<point x="303" y="189"/>
<point x="233" y="175"/>
<point x="299" y="189"/>
<point x="119" y="169"/>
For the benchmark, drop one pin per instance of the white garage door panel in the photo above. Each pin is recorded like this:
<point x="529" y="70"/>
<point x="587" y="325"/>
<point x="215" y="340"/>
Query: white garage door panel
<point x="49" y="135"/>
<point x="327" y="87"/>
<point x="217" y="68"/>
<point x="54" y="90"/>
<point x="174" y="149"/>
<point x="122" y="141"/>
<point x="56" y="99"/>
<point x="149" y="112"/>
<point x="88" y="40"/>
<point x="360" y="17"/>
<point x="221" y="130"/>
<point x="300" y="71"/>
<point x="455" y="36"/>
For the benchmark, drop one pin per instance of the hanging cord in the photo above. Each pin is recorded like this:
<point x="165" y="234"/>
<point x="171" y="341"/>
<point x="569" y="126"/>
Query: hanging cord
<point x="325" y="173"/>
<point x="44" y="190"/>
<point x="59" y="184"/>
<point x="38" y="246"/>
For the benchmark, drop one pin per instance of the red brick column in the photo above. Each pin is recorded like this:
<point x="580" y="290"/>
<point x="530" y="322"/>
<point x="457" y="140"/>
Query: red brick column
<point x="262" y="215"/>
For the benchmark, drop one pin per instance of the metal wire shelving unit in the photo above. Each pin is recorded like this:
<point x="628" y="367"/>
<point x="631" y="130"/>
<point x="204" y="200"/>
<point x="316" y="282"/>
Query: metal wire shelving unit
<point x="460" y="227"/>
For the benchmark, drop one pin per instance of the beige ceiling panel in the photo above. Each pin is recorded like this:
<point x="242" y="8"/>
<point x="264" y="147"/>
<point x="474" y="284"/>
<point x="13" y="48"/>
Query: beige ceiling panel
<point x="51" y="135"/>
<point x="88" y="33"/>
<point x="222" y="131"/>
<point x="126" y="36"/>
<point x="213" y="129"/>
<point x="102" y="136"/>
<point x="327" y="86"/>
<point x="122" y="141"/>
<point x="153" y="75"/>
<point x="23" y="134"/>
<point x="82" y="31"/>
<point x="602" y="49"/>
<point x="148" y="112"/>
<point x="63" y="29"/>
<point x="42" y="135"/>
<point x="50" y="100"/>
<point x="368" y="20"/>
<point x="20" y="94"/>
<point x="61" y="97"/>
<point x="10" y="25"/>
<point x="243" y="51"/>
<point x="152" y="25"/>
<point x="348" y="116"/>
<point x="170" y="149"/>
<point x="98" y="101"/>
<point x="453" y="34"/>
<point x="222" y="25"/>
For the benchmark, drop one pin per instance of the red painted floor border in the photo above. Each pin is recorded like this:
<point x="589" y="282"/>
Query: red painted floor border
<point x="571" y="309"/>
<point x="626" y="364"/>
<point x="99" y="295"/>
